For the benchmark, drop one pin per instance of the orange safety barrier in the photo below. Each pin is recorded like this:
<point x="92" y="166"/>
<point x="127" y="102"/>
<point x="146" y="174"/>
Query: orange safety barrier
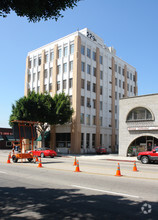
<point x="8" y="161"/>
<point x="40" y="163"/>
<point x="75" y="163"/>
<point x="118" y="172"/>
<point x="135" y="167"/>
<point x="77" y="167"/>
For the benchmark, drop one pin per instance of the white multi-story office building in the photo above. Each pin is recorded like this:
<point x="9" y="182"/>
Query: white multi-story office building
<point x="82" y="66"/>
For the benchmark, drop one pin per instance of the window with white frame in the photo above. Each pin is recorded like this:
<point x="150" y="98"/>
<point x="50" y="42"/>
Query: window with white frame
<point x="71" y="48"/>
<point x="65" y="67"/>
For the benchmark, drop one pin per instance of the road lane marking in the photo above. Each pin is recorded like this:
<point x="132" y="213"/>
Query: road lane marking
<point x="3" y="172"/>
<point x="105" y="191"/>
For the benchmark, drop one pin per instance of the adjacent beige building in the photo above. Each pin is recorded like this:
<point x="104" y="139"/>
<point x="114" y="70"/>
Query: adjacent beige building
<point x="138" y="124"/>
<point x="94" y="77"/>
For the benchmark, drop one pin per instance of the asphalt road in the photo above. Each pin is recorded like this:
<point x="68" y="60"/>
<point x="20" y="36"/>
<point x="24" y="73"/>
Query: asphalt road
<point x="57" y="192"/>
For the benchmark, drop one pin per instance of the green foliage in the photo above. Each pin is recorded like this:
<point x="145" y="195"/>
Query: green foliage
<point x="42" y="108"/>
<point x="36" y="10"/>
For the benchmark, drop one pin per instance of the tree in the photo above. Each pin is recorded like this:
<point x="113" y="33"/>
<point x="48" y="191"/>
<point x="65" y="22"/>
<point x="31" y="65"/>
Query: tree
<point x="36" y="10"/>
<point x="43" y="109"/>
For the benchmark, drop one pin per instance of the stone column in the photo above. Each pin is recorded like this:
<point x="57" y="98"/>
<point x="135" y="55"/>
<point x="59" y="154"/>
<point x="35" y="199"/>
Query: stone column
<point x="97" y="97"/>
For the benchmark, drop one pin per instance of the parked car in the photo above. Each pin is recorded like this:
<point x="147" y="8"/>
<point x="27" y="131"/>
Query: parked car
<point x="148" y="156"/>
<point x="101" y="150"/>
<point x="44" y="152"/>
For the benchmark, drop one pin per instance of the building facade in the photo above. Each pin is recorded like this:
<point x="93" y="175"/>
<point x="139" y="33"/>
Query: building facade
<point x="138" y="126"/>
<point x="82" y="66"/>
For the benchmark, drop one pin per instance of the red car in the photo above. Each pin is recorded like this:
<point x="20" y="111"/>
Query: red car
<point x="101" y="150"/>
<point x="44" y="152"/>
<point x="148" y="156"/>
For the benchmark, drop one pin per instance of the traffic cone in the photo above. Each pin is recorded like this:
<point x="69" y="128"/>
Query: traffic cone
<point x="36" y="159"/>
<point x="8" y="161"/>
<point x="75" y="163"/>
<point x="40" y="164"/>
<point x="118" y="172"/>
<point x="77" y="167"/>
<point x="135" y="167"/>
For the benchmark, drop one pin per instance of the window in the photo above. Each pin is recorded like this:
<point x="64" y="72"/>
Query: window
<point x="94" y="71"/>
<point x="82" y="50"/>
<point x="115" y="67"/>
<point x="30" y="63"/>
<point x="101" y="74"/>
<point x="39" y="60"/>
<point x="45" y="88"/>
<point x="88" y="103"/>
<point x="88" y="69"/>
<point x="38" y="89"/>
<point x="115" y="95"/>
<point x="38" y="76"/>
<point x="94" y="87"/>
<point x="58" y="69"/>
<point x="82" y="118"/>
<point x="115" y="109"/>
<point x="50" y="72"/>
<point x="119" y="83"/>
<point x="34" y="62"/>
<point x="50" y="87"/>
<point x="88" y="86"/>
<point x="34" y="76"/>
<point x="115" y="81"/>
<point x="59" y="53"/>
<point x="131" y="89"/>
<point x="51" y="55"/>
<point x="45" y="74"/>
<point x="87" y="119"/>
<point x="88" y="53"/>
<point x="93" y="140"/>
<point x="139" y="114"/>
<point x="101" y="59"/>
<point x="82" y="83"/>
<point x="134" y="78"/>
<point x="123" y="85"/>
<point x="101" y="105"/>
<point x="65" y="67"/>
<point x="58" y="85"/>
<point x="82" y="100"/>
<point x="101" y="137"/>
<point x="83" y="66"/>
<point x="123" y="72"/>
<point x="127" y="86"/>
<point x="87" y="140"/>
<point x="94" y="103"/>
<point x="94" y="56"/>
<point x="71" y="66"/>
<point x="119" y="70"/>
<point x="71" y="48"/>
<point x="94" y="120"/>
<point x="82" y="140"/>
<point x="70" y="83"/>
<point x="70" y="98"/>
<point x="64" y="84"/>
<point x="46" y="58"/>
<point x="101" y="121"/>
<point x="101" y="90"/>
<point x="131" y="76"/>
<point x="65" y="51"/>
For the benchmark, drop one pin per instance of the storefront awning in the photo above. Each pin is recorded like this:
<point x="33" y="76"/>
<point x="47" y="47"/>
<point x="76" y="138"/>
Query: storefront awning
<point x="10" y="138"/>
<point x="1" y="138"/>
<point x="46" y="135"/>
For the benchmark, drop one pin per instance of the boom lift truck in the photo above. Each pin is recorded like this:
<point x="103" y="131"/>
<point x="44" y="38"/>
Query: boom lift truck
<point x="23" y="130"/>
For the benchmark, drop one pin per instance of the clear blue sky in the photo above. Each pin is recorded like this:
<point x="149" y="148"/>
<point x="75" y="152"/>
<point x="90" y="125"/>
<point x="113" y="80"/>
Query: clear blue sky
<point x="131" y="26"/>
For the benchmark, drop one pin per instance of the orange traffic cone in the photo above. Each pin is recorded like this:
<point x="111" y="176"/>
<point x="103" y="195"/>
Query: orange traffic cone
<point x="75" y="163"/>
<point x="118" y="172"/>
<point x="135" y="167"/>
<point x="8" y="161"/>
<point x="36" y="159"/>
<point x="40" y="164"/>
<point x="77" y="167"/>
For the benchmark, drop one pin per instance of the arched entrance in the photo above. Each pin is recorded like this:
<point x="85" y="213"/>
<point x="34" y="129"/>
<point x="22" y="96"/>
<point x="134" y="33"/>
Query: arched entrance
<point x="143" y="143"/>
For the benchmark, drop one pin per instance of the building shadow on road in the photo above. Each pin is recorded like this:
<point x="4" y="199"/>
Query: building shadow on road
<point x="47" y="203"/>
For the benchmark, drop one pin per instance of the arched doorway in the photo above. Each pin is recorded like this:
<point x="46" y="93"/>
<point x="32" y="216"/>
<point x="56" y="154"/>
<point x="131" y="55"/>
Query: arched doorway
<point x="143" y="143"/>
